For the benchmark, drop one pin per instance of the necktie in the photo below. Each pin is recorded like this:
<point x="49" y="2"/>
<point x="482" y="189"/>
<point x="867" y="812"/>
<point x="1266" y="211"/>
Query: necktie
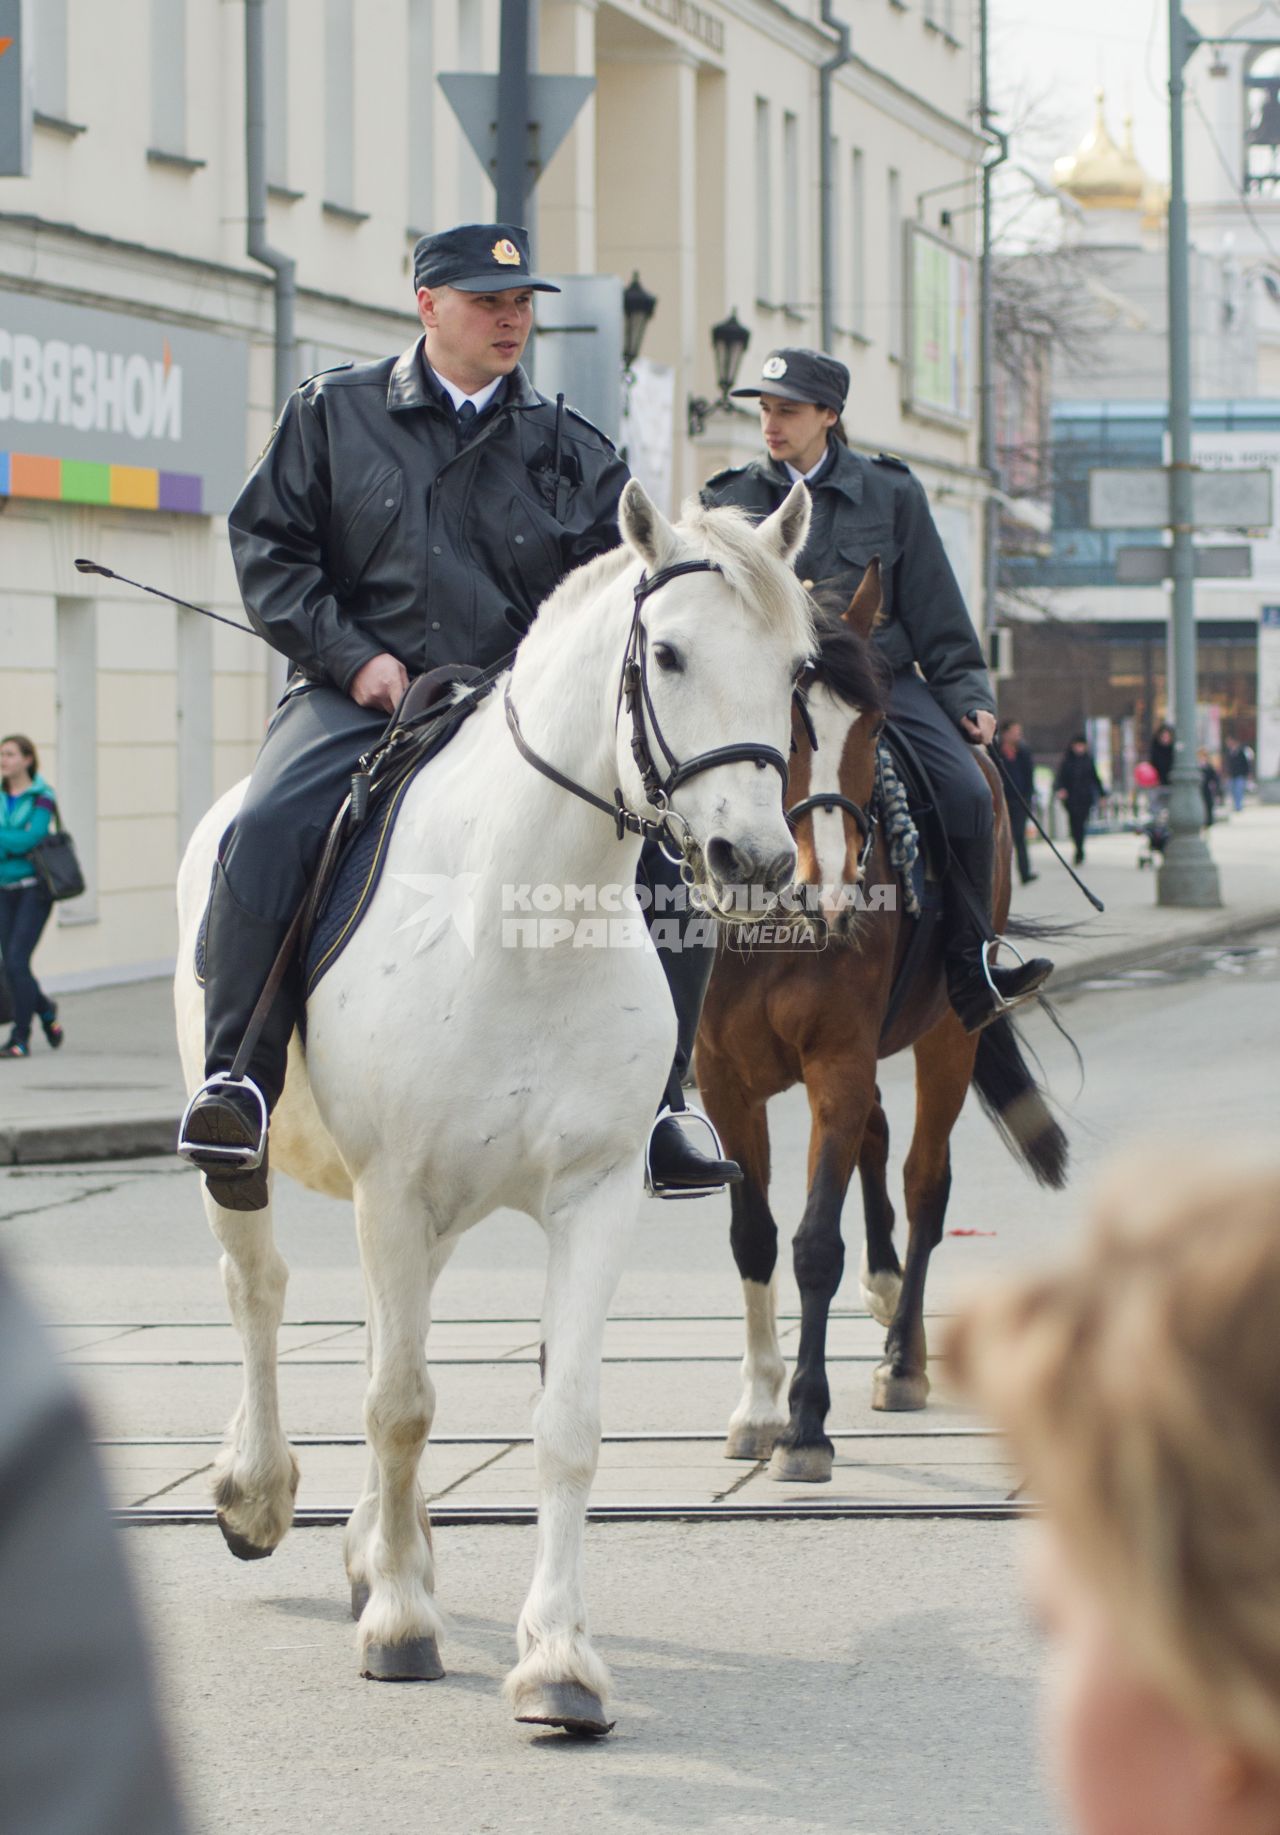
<point x="466" y="414"/>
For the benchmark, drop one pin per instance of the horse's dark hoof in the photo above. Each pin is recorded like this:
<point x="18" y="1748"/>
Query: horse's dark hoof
<point x="565" y="1704"/>
<point x="752" y="1439"/>
<point x="240" y="1546"/>
<point x="893" y="1394"/>
<point x="801" y="1465"/>
<point x="359" y="1598"/>
<point x="416" y="1660"/>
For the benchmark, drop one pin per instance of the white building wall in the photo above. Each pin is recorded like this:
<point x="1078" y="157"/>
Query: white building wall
<point x="657" y="175"/>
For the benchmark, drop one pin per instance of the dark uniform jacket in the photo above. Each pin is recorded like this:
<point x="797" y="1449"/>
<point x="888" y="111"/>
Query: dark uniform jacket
<point x="863" y="507"/>
<point x="369" y="524"/>
<point x="1078" y="777"/>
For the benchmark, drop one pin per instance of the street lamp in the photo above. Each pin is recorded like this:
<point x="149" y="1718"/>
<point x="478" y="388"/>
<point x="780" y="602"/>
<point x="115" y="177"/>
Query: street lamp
<point x="638" y="307"/>
<point x="729" y="341"/>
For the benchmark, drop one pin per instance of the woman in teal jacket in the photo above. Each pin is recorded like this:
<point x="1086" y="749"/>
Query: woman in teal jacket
<point x="26" y="814"/>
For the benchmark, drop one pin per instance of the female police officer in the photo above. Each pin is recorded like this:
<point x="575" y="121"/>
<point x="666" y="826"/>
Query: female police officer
<point x="863" y="508"/>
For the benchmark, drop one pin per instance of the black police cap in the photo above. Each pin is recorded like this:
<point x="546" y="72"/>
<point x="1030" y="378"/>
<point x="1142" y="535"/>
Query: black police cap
<point x="476" y="258"/>
<point x="803" y="375"/>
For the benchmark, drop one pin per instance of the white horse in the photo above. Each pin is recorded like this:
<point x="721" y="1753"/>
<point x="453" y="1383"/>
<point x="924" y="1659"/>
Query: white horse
<point x="441" y="1082"/>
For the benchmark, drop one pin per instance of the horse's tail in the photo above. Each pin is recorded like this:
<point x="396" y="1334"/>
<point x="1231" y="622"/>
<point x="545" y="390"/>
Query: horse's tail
<point x="1015" y="1103"/>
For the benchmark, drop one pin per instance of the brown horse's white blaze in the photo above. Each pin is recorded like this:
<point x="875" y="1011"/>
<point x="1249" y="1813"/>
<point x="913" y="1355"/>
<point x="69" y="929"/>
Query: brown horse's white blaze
<point x="832" y="863"/>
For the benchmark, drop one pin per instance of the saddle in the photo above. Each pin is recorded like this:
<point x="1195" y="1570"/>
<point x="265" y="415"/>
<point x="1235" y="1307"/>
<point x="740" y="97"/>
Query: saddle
<point x="431" y="711"/>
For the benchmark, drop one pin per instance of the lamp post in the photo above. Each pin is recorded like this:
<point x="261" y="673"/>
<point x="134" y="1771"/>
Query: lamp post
<point x="1187" y="873"/>
<point x="729" y="341"/>
<point x="638" y="307"/>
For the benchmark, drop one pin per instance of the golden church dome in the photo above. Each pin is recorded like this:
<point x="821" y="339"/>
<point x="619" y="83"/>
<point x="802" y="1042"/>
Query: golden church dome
<point x="1099" y="174"/>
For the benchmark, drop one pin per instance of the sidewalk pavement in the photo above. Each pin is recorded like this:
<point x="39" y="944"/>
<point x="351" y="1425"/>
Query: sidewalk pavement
<point x="115" y="1089"/>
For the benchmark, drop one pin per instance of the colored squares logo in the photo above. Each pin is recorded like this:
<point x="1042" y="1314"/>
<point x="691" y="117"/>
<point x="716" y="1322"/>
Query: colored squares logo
<point x="123" y="487"/>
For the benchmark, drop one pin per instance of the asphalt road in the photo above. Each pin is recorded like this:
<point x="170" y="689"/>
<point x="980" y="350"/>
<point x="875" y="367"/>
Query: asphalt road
<point x="871" y="1677"/>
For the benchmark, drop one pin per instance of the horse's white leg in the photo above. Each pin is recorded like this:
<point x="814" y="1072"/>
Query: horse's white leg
<point x="255" y="1475"/>
<point x="760" y="1415"/>
<point x="363" y="1519"/>
<point x="388" y="1544"/>
<point x="559" y="1680"/>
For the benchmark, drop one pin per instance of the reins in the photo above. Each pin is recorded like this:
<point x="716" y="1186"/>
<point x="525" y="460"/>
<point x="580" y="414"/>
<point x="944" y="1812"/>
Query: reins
<point x="634" y="695"/>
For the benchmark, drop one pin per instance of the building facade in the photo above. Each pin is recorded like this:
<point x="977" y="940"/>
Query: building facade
<point x="137" y="347"/>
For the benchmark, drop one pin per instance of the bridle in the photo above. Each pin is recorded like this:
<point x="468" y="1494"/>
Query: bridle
<point x="866" y="819"/>
<point x="633" y="693"/>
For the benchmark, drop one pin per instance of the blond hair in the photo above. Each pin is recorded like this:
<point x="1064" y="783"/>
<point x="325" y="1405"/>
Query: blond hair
<point x="1140" y="1389"/>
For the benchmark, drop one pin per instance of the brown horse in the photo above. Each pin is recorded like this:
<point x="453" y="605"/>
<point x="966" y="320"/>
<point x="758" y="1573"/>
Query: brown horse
<point x="816" y="1010"/>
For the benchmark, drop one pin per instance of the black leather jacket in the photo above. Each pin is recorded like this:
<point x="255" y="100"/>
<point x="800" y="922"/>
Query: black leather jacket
<point x="368" y="525"/>
<point x="863" y="507"/>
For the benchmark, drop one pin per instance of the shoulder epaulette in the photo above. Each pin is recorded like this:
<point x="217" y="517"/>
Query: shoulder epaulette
<point x="721" y="477"/>
<point x="891" y="458"/>
<point x="598" y="431"/>
<point x="331" y="371"/>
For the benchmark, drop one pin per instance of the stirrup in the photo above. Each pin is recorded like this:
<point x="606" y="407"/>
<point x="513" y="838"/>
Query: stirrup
<point x="208" y="1155"/>
<point x="655" y="1187"/>
<point x="993" y="944"/>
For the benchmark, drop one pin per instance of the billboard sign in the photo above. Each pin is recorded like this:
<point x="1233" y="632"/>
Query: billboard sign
<point x="941" y="296"/>
<point x="118" y="409"/>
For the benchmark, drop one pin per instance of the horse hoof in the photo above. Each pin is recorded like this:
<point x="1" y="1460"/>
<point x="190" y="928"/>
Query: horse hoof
<point x="898" y="1394"/>
<point x="416" y="1660"/>
<point x="240" y="1546"/>
<point x="801" y="1465"/>
<point x="752" y="1440"/>
<point x="880" y="1297"/>
<point x="359" y="1598"/>
<point x="568" y="1705"/>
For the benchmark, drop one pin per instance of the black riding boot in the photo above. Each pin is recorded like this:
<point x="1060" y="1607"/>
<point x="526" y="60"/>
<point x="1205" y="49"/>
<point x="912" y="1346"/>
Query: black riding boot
<point x="224" y="1131"/>
<point x="979" y="991"/>
<point x="675" y="1166"/>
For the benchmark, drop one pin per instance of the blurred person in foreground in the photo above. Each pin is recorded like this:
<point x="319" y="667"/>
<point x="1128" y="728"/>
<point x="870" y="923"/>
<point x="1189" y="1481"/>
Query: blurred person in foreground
<point x="1139" y="1388"/>
<point x="81" y="1751"/>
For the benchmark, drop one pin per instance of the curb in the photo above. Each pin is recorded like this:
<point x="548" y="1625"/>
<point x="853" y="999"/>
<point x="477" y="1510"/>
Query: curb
<point x="100" y="1137"/>
<point x="1225" y="927"/>
<point x="131" y="1137"/>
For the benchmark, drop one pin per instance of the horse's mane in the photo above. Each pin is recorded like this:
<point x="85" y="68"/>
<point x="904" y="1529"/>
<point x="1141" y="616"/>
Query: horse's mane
<point x="724" y="535"/>
<point x="850" y="665"/>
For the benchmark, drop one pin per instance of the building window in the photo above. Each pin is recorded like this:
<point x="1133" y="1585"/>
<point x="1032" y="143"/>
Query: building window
<point x="50" y="43"/>
<point x="276" y="84"/>
<point x="1262" y="123"/>
<point x="895" y="263"/>
<point x="764" y="206"/>
<point x="421" y="117"/>
<point x="858" y="244"/>
<point x="169" y="76"/>
<point x="339" y="104"/>
<point x="792" y="284"/>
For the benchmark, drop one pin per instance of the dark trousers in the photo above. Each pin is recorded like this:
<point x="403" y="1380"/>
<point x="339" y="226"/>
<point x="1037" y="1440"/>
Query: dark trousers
<point x="24" y="912"/>
<point x="1018" y="823"/>
<point x="301" y="774"/>
<point x="1078" y="822"/>
<point x="961" y="792"/>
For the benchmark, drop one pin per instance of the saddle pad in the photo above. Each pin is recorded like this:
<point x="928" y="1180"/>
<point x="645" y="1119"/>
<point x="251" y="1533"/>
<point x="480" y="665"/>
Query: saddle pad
<point x="344" y="901"/>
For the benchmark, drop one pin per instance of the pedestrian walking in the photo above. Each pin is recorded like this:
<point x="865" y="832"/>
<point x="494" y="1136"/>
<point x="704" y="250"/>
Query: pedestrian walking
<point x="1239" y="763"/>
<point x="1210" y="785"/>
<point x="1078" y="786"/>
<point x="27" y="808"/>
<point x="1137" y="1387"/>
<point x="1019" y="765"/>
<point x="1160" y="752"/>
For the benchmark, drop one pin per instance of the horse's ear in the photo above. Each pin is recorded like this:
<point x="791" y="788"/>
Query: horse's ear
<point x="786" y="530"/>
<point x="644" y="527"/>
<point x="865" y="606"/>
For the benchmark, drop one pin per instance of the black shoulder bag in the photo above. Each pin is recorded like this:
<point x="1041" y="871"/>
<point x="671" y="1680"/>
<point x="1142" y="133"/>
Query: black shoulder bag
<point x="54" y="863"/>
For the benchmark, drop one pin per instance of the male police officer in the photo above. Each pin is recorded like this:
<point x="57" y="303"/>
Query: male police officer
<point x="868" y="507"/>
<point x="406" y="513"/>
